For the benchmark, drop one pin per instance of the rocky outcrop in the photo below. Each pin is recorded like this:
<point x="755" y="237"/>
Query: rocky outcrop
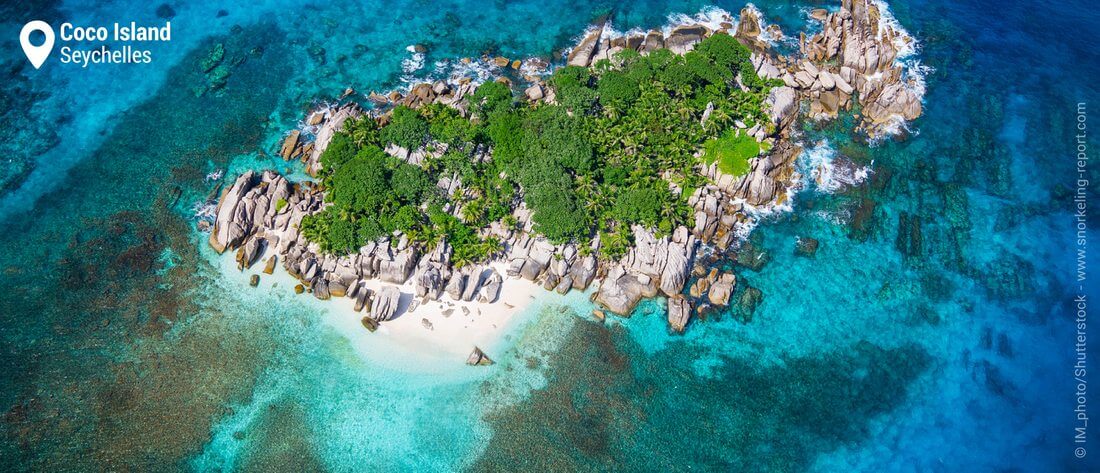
<point x="249" y="252"/>
<point x="473" y="283"/>
<point x="620" y="291"/>
<point x="782" y="105"/>
<point x="857" y="52"/>
<point x="252" y="202"/>
<point x="652" y="265"/>
<point x="769" y="176"/>
<point x="333" y="121"/>
<point x="429" y="283"/>
<point x="291" y="148"/>
<point x="806" y="246"/>
<point x="584" y="53"/>
<point x="456" y="285"/>
<point x="684" y="38"/>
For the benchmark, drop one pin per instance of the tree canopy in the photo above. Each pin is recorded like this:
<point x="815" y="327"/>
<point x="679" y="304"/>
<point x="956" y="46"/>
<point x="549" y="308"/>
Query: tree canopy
<point x="618" y="148"/>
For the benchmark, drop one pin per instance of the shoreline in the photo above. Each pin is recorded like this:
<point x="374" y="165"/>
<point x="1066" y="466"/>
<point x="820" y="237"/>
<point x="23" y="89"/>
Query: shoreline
<point x="857" y="64"/>
<point x="456" y="327"/>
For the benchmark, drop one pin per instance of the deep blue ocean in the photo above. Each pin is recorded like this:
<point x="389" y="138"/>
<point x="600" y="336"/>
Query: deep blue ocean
<point x="934" y="330"/>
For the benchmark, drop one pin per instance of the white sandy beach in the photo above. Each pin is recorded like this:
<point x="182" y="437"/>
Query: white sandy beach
<point x="405" y="341"/>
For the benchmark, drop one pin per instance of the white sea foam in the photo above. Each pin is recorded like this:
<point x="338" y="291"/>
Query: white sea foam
<point x="837" y="217"/>
<point x="907" y="46"/>
<point x="772" y="210"/>
<point x="410" y="66"/>
<point x="478" y="71"/>
<point x="205" y="210"/>
<point x="913" y="71"/>
<point x="711" y="17"/>
<point x="768" y="35"/>
<point x="325" y="108"/>
<point x="829" y="172"/>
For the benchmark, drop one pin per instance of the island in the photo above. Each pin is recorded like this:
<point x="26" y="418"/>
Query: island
<point x="632" y="169"/>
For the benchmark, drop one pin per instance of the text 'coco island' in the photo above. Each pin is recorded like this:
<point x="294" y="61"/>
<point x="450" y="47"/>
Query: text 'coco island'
<point x="118" y="32"/>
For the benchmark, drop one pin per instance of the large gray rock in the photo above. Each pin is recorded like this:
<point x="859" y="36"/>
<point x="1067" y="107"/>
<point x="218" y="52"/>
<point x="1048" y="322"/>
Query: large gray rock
<point x="491" y="289"/>
<point x="551" y="281"/>
<point x="233" y="222"/>
<point x="249" y="252"/>
<point x="457" y="285"/>
<point x="654" y="40"/>
<point x="749" y="25"/>
<point x="531" y="270"/>
<point x="320" y="289"/>
<point x="564" y="285"/>
<point x="721" y="289"/>
<point x="620" y="292"/>
<point x="473" y="283"/>
<point x="329" y="128"/>
<point x="534" y="93"/>
<point x="679" y="313"/>
<point x="583" y="273"/>
<point x="681" y="253"/>
<point x="781" y="105"/>
<point x="429" y="283"/>
<point x="515" y="267"/>
<point x="386" y="304"/>
<point x="684" y="38"/>
<point x="583" y="54"/>
<point x="398" y="269"/>
<point x="363" y="299"/>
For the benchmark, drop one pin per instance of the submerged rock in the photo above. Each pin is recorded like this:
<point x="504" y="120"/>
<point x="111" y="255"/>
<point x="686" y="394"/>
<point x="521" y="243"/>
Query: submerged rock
<point x="599" y="315"/>
<point x="746" y="304"/>
<point x="269" y="266"/>
<point x="806" y="246"/>
<point x="909" y="239"/>
<point x="370" y="323"/>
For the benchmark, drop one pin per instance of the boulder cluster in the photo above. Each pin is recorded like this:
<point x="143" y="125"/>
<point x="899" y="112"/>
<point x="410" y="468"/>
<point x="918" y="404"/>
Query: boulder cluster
<point x="853" y="59"/>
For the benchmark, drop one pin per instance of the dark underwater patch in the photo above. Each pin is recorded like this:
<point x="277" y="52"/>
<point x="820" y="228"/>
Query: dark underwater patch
<point x="608" y="406"/>
<point x="98" y="272"/>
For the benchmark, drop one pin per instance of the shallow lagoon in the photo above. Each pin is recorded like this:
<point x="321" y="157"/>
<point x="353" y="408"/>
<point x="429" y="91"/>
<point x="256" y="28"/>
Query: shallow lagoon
<point x="951" y="353"/>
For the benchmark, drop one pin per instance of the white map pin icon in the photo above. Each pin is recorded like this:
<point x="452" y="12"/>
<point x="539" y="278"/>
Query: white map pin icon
<point x="37" y="54"/>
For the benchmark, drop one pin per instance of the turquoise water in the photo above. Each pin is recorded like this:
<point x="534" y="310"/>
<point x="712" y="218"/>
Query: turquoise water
<point x="127" y="346"/>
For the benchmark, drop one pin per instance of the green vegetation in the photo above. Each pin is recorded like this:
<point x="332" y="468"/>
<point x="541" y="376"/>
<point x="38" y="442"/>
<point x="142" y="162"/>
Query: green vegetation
<point x="618" y="149"/>
<point x="732" y="150"/>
